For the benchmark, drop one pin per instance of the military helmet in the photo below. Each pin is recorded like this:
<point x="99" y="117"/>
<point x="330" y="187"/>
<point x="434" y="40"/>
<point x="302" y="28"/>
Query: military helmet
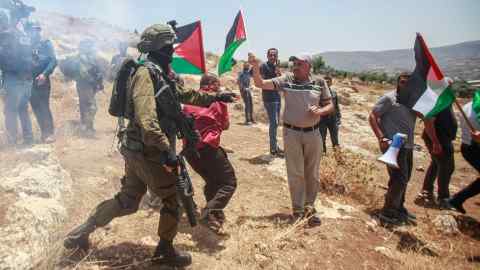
<point x="156" y="37"/>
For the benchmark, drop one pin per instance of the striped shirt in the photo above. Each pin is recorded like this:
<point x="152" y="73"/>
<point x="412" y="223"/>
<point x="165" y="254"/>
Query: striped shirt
<point x="298" y="99"/>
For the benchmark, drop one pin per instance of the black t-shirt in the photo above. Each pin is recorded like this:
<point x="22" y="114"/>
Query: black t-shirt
<point x="267" y="71"/>
<point x="446" y="126"/>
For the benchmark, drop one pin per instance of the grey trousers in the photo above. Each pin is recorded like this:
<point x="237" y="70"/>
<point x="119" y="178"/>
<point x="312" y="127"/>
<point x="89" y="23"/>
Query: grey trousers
<point x="303" y="151"/>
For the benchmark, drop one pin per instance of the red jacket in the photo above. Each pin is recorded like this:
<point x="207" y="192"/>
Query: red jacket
<point x="209" y="122"/>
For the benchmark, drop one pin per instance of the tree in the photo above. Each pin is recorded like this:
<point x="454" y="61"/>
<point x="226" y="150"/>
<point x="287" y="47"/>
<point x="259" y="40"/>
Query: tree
<point x="318" y="64"/>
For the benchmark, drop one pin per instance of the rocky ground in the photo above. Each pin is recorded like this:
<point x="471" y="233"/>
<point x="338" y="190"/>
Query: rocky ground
<point x="48" y="189"/>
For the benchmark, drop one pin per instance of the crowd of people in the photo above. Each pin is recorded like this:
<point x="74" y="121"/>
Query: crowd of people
<point x="311" y="108"/>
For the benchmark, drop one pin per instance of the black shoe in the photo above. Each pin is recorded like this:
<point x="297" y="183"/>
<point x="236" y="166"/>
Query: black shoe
<point x="444" y="205"/>
<point x="78" y="238"/>
<point x="312" y="217"/>
<point x="394" y="218"/>
<point x="165" y="254"/>
<point x="455" y="205"/>
<point x="80" y="242"/>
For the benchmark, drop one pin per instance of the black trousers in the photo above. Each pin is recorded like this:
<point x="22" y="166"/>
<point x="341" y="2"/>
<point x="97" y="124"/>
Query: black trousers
<point x="399" y="178"/>
<point x="213" y="166"/>
<point x="330" y="123"/>
<point x="441" y="168"/>
<point x="471" y="153"/>
<point x="40" y="101"/>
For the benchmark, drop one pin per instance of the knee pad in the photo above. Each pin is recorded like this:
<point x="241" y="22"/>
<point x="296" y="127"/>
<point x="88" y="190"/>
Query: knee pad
<point x="128" y="203"/>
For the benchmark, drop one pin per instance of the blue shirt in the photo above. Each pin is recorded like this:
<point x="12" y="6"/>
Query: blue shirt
<point x="44" y="60"/>
<point x="244" y="79"/>
<point x="267" y="70"/>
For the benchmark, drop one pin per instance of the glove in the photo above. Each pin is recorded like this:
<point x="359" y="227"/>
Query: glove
<point x="171" y="160"/>
<point x="226" y="97"/>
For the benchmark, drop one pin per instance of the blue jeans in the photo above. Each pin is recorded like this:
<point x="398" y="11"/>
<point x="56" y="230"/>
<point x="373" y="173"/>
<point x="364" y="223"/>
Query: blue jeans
<point x="247" y="99"/>
<point x="16" y="107"/>
<point x="273" y="112"/>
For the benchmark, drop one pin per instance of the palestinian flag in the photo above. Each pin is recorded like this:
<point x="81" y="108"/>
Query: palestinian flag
<point x="476" y="104"/>
<point x="189" y="57"/>
<point x="428" y="90"/>
<point x="235" y="37"/>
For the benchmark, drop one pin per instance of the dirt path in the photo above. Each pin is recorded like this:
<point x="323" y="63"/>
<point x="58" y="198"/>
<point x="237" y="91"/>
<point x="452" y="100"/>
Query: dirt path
<point x="259" y="233"/>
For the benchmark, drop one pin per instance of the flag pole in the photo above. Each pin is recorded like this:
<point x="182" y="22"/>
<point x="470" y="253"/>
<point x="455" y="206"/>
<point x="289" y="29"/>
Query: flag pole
<point x="459" y="107"/>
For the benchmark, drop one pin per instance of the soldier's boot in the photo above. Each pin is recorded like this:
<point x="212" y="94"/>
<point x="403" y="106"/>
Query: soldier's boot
<point x="166" y="254"/>
<point x="78" y="237"/>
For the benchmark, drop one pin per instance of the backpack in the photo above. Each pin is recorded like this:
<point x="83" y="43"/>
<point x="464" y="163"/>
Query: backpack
<point x="118" y="100"/>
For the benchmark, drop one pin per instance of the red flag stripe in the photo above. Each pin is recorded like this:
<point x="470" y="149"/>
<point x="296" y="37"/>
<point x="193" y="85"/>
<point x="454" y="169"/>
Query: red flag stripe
<point x="192" y="49"/>
<point x="240" y="31"/>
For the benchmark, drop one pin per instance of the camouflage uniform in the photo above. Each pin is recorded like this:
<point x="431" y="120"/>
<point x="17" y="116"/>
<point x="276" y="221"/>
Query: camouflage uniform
<point x="118" y="59"/>
<point x="87" y="70"/>
<point x="145" y="151"/>
<point x="16" y="66"/>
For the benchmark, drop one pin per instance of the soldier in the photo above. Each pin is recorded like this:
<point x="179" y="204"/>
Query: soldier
<point x="44" y="63"/>
<point x="86" y="69"/>
<point x="16" y="66"/>
<point x="149" y="161"/>
<point x="119" y="58"/>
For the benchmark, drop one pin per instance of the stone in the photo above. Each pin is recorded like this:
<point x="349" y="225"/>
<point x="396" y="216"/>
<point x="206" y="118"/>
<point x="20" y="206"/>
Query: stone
<point x="32" y="222"/>
<point x="446" y="224"/>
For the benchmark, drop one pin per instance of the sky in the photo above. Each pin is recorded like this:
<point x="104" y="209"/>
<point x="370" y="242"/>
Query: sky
<point x="299" y="26"/>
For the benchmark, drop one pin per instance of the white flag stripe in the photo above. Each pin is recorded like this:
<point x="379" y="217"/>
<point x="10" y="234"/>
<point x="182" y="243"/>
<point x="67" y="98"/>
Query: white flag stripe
<point x="426" y="102"/>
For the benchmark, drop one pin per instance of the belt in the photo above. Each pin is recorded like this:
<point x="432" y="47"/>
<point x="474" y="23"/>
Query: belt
<point x="303" y="129"/>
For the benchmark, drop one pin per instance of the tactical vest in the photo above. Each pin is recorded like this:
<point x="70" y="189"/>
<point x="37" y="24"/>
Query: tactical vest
<point x="166" y="103"/>
<point x="16" y="53"/>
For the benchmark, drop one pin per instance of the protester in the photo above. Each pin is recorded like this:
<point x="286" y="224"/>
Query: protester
<point x="243" y="81"/>
<point x="442" y="165"/>
<point x="44" y="63"/>
<point x="332" y="121"/>
<point x="272" y="100"/>
<point x="306" y="102"/>
<point x="212" y="162"/>
<point x="471" y="152"/>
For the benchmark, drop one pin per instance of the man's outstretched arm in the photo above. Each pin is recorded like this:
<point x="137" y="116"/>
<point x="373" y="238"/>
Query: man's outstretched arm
<point x="257" y="79"/>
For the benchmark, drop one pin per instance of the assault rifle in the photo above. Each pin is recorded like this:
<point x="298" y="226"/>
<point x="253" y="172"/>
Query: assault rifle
<point x="185" y="191"/>
<point x="177" y="123"/>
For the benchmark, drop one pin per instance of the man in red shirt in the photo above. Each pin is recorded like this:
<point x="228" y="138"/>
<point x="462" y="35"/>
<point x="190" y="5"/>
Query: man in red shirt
<point x="212" y="163"/>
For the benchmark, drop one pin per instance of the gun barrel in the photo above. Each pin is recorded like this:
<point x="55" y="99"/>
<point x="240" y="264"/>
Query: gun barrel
<point x="185" y="192"/>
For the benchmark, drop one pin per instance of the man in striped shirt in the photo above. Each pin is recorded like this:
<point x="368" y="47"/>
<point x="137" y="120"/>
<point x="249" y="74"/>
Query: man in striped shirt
<point x="306" y="102"/>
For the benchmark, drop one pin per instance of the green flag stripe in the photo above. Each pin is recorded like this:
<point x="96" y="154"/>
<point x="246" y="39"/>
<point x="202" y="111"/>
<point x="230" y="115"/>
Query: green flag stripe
<point x="476" y="104"/>
<point x="182" y="66"/>
<point x="225" y="63"/>
<point x="443" y="101"/>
